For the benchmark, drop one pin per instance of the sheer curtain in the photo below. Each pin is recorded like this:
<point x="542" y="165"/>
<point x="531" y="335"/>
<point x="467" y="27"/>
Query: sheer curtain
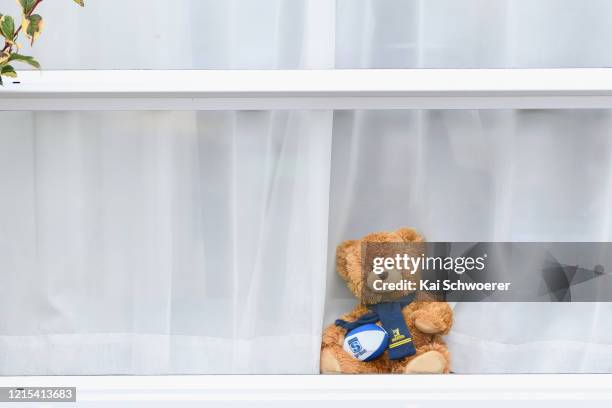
<point x="485" y="176"/>
<point x="200" y="242"/>
<point x="185" y="245"/>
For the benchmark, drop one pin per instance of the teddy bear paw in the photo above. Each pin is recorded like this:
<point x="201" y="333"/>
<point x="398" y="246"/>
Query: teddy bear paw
<point x="429" y="326"/>
<point x="431" y="362"/>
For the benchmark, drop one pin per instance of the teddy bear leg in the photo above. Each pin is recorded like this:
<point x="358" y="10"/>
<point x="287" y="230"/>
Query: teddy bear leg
<point x="331" y="350"/>
<point x="335" y="360"/>
<point x="430" y="359"/>
<point x="329" y="362"/>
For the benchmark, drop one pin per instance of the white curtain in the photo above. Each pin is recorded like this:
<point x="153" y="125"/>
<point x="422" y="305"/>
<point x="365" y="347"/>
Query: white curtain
<point x="485" y="176"/>
<point x="199" y="242"/>
<point x="159" y="243"/>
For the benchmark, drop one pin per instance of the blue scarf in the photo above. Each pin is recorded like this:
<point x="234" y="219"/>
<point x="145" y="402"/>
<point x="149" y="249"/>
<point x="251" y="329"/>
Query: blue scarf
<point x="390" y="316"/>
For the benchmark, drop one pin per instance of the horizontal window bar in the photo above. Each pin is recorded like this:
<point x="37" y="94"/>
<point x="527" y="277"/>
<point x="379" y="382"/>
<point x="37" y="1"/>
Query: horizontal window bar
<point x="309" y="89"/>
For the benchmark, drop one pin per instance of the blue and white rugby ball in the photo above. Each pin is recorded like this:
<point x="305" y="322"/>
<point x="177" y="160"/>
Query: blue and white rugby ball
<point x="366" y="342"/>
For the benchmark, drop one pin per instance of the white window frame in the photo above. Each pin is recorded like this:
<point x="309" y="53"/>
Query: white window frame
<point x="309" y="89"/>
<point x="317" y="89"/>
<point x="461" y="391"/>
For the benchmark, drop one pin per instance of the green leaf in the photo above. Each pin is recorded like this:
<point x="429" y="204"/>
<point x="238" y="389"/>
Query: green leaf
<point x="80" y="2"/>
<point x="25" y="59"/>
<point x="27" y="6"/>
<point x="33" y="26"/>
<point x="8" y="71"/>
<point x="7" y="27"/>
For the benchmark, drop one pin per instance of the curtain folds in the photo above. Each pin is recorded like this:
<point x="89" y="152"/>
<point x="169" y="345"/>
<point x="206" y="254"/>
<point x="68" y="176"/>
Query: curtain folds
<point x="203" y="242"/>
<point x="151" y="243"/>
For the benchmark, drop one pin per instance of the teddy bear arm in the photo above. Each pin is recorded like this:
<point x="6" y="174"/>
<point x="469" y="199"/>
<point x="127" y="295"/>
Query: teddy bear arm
<point x="433" y="318"/>
<point x="334" y="334"/>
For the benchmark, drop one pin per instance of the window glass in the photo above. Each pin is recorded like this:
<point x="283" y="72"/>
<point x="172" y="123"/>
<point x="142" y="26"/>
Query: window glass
<point x="292" y="34"/>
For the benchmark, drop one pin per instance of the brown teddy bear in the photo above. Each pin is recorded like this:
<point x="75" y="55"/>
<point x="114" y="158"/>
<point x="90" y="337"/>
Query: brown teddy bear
<point x="426" y="320"/>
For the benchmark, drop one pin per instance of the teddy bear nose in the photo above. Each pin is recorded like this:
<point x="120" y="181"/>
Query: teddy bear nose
<point x="384" y="275"/>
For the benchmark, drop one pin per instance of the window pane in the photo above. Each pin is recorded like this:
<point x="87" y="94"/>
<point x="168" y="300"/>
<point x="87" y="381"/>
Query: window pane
<point x="291" y="34"/>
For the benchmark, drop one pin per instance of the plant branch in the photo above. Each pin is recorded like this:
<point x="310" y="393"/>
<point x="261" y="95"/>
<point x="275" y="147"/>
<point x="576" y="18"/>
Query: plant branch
<point x="7" y="45"/>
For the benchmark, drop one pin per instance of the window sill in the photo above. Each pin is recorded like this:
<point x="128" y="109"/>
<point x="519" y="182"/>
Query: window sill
<point x="433" y="390"/>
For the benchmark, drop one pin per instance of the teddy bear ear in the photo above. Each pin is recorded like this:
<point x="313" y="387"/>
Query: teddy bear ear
<point x="409" y="235"/>
<point x="342" y="252"/>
